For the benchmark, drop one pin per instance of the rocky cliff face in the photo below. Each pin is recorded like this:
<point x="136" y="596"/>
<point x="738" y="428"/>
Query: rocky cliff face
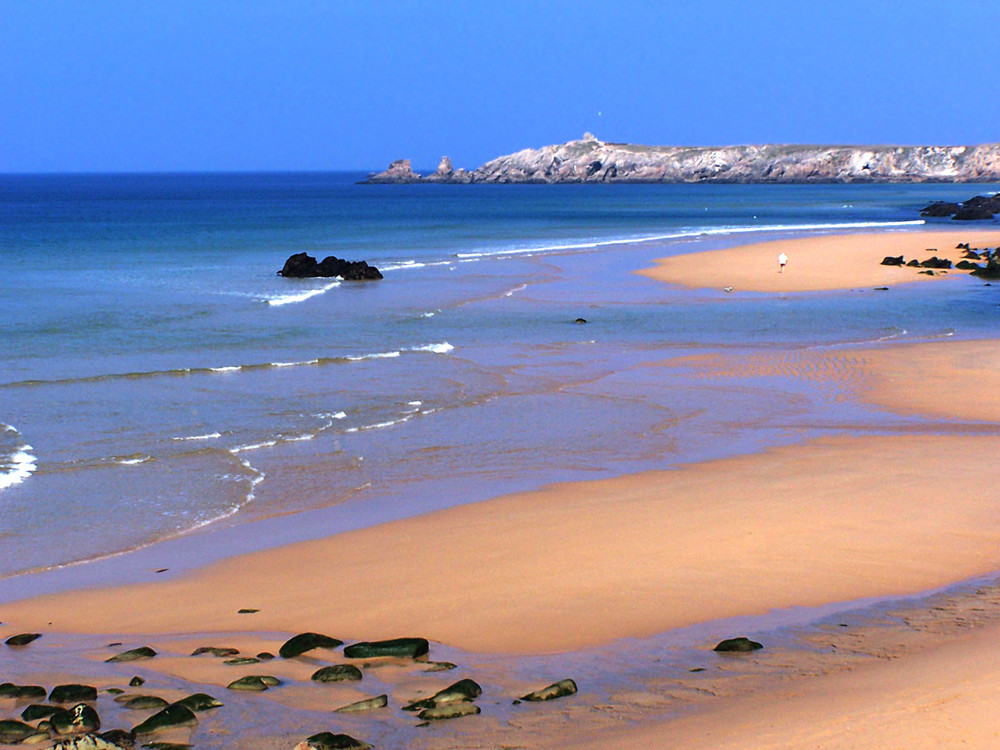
<point x="591" y="160"/>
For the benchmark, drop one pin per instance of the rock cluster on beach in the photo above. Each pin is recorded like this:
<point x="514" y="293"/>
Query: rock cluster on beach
<point x="990" y="269"/>
<point x="592" y="160"/>
<point x="977" y="208"/>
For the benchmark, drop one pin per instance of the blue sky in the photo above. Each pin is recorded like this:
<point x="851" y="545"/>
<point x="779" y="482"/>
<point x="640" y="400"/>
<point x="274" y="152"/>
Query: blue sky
<point x="103" y="85"/>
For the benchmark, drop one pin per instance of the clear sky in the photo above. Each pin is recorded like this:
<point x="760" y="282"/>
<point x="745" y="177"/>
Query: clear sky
<point x="130" y="85"/>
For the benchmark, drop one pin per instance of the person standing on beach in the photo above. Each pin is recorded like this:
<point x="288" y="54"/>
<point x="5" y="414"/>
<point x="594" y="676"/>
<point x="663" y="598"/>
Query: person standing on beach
<point x="782" y="260"/>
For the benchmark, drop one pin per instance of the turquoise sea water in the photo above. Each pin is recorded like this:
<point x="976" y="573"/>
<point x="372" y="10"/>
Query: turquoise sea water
<point x="157" y="377"/>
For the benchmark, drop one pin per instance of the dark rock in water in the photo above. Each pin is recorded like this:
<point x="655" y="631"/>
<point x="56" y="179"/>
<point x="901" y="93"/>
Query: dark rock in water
<point x="173" y="716"/>
<point x="889" y="260"/>
<point x="12" y="732"/>
<point x="913" y="263"/>
<point x="555" y="690"/>
<point x="72" y="693"/>
<point x="22" y="639"/>
<point x="331" y="741"/>
<point x="247" y="611"/>
<point x="136" y="681"/>
<point x="337" y="673"/>
<point x="81" y="719"/>
<point x="448" y="711"/>
<point x="739" y="645"/>
<point x="118" y="737"/>
<point x="265" y="656"/>
<point x="462" y="691"/>
<point x="36" y="711"/>
<point x="440" y="666"/>
<point x="200" y="702"/>
<point x="368" y="704"/>
<point x="406" y="648"/>
<point x="254" y="683"/>
<point x="303" y="642"/>
<point x="991" y="270"/>
<point x="215" y="651"/>
<point x="143" y="652"/>
<point x="21" y="692"/>
<point x="304" y="266"/>
<point x="243" y="660"/>
<point x="935" y="262"/>
<point x="972" y="255"/>
<point x="145" y="702"/>
<point x="580" y="321"/>
<point x="967" y="265"/>
<point x="940" y="209"/>
<point x="973" y="214"/>
<point x="881" y="289"/>
<point x="962" y="246"/>
<point x="929" y="272"/>
<point x="113" y="691"/>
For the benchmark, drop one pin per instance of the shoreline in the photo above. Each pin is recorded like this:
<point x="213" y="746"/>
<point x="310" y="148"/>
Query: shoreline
<point x="559" y="570"/>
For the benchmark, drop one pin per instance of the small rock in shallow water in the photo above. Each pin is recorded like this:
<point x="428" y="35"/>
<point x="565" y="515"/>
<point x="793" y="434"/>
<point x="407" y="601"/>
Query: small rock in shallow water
<point x="215" y="651"/>
<point x="200" y="702"/>
<point x="22" y="639"/>
<point x="254" y="683"/>
<point x="173" y="716"/>
<point x="440" y="666"/>
<point x="21" y="692"/>
<point x="299" y="644"/>
<point x="143" y="652"/>
<point x="404" y="648"/>
<point x="462" y="691"/>
<point x="265" y="656"/>
<point x="368" y="704"/>
<point x="72" y="693"/>
<point x="242" y="660"/>
<point x="331" y="741"/>
<point x="448" y="711"/>
<point x="738" y="645"/>
<point x="145" y="702"/>
<point x="81" y="719"/>
<point x="34" y="712"/>
<point x="337" y="673"/>
<point x="118" y="738"/>
<point x="556" y="690"/>
<point x="136" y="681"/>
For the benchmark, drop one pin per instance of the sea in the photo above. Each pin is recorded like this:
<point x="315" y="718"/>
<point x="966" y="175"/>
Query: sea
<point x="160" y="382"/>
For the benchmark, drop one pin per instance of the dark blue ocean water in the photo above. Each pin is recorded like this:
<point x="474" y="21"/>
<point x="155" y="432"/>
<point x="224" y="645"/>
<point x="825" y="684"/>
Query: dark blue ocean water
<point x="156" y="376"/>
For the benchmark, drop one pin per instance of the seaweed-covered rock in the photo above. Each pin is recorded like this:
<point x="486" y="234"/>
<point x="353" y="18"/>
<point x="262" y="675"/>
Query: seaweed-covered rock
<point x="299" y="644"/>
<point x="36" y="711"/>
<point x="368" y="704"/>
<point x="337" y="673"/>
<point x="81" y="719"/>
<point x="448" y="711"/>
<point x="21" y="692"/>
<point x="555" y="690"/>
<point x="200" y="702"/>
<point x="215" y="651"/>
<point x="13" y="732"/>
<point x="22" y="639"/>
<point x="254" y="683"/>
<point x="72" y="693"/>
<point x="144" y="702"/>
<point x="331" y="741"/>
<point x="173" y="716"/>
<point x="462" y="691"/>
<point x="737" y="645"/>
<point x="405" y="648"/>
<point x="133" y="654"/>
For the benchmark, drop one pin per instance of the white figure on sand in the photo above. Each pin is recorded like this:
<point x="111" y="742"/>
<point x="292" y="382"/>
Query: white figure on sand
<point x="782" y="260"/>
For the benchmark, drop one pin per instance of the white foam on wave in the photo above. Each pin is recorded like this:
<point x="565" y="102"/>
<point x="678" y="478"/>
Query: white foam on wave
<point x="228" y="368"/>
<point x="295" y="364"/>
<point x="209" y="436"/>
<point x="20" y="464"/>
<point x="291" y="299"/>
<point x="518" y="288"/>
<point x="700" y="232"/>
<point x="443" y="348"/>
<point x="134" y="460"/>
<point x="381" y="425"/>
<point x="376" y="355"/>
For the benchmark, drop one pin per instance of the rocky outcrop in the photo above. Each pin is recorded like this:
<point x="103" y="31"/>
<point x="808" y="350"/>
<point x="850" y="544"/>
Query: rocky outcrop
<point x="977" y="208"/>
<point x="304" y="266"/>
<point x="592" y="160"/>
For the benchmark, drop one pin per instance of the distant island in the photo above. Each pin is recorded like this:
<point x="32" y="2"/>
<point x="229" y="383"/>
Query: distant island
<point x="592" y="160"/>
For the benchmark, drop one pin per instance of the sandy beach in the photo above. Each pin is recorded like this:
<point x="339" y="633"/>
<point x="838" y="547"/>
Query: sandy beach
<point x="582" y="565"/>
<point x="819" y="263"/>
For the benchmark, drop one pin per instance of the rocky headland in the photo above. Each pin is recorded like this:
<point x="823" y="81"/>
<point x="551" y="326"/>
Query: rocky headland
<point x="593" y="160"/>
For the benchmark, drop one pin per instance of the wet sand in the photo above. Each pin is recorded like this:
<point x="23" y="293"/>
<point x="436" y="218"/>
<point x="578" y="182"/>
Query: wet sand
<point x="581" y="565"/>
<point x="819" y="263"/>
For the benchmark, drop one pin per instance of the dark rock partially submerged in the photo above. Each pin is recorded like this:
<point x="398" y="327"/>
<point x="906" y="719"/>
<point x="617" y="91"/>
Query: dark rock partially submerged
<point x="304" y="266"/>
<point x="337" y="673"/>
<point x="463" y="691"/>
<point x="143" y="652"/>
<point x="738" y="645"/>
<point x="12" y="732"/>
<point x="72" y="693"/>
<point x="303" y="642"/>
<point x="407" y="648"/>
<point x="555" y="690"/>
<point x="331" y="741"/>
<point x="81" y="719"/>
<point x="173" y="716"/>
<point x="22" y="639"/>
